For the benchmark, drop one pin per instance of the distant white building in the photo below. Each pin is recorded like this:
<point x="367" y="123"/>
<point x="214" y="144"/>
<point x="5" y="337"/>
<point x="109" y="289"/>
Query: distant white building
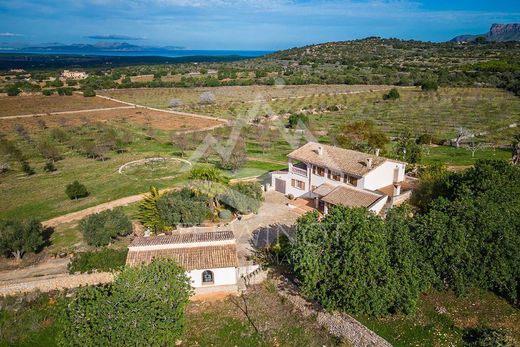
<point x="74" y="75"/>
<point x="331" y="175"/>
<point x="210" y="258"/>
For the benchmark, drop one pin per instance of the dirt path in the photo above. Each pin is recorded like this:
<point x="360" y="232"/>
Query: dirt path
<point x="54" y="282"/>
<point x="74" y="216"/>
<point x="46" y="268"/>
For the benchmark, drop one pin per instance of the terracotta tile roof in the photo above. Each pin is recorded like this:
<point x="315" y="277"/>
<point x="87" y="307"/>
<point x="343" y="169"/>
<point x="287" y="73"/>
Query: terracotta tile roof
<point x="335" y="158"/>
<point x="324" y="189"/>
<point x="406" y="185"/>
<point x="210" y="257"/>
<point x="182" y="238"/>
<point x="351" y="197"/>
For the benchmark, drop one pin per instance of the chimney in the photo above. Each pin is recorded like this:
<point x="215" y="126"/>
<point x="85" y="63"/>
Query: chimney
<point x="397" y="190"/>
<point x="377" y="152"/>
<point x="320" y="150"/>
<point x="369" y="163"/>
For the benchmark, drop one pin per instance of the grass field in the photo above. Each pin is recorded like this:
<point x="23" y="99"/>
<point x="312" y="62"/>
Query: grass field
<point x="22" y="105"/>
<point x="218" y="323"/>
<point x="442" y="319"/>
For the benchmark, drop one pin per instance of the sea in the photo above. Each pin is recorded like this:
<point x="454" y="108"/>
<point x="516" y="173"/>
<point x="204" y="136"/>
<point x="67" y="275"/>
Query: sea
<point x="155" y="53"/>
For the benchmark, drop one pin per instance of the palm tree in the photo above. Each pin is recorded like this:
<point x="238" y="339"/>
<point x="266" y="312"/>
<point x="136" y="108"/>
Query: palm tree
<point x="209" y="181"/>
<point x="148" y="213"/>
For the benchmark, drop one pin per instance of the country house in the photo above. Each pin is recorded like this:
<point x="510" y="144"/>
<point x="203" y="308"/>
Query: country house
<point x="210" y="258"/>
<point x="325" y="175"/>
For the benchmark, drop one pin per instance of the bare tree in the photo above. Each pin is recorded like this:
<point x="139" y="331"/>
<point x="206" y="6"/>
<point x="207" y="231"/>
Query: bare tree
<point x="474" y="146"/>
<point x="181" y="141"/>
<point x="462" y="133"/>
<point x="207" y="98"/>
<point x="41" y="123"/>
<point x="175" y="103"/>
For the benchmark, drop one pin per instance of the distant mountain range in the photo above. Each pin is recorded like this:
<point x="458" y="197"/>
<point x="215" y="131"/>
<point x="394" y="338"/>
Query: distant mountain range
<point x="497" y="33"/>
<point x="89" y="48"/>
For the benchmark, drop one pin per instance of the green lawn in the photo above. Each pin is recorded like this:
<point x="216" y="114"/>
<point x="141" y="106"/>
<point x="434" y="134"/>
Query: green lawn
<point x="461" y="156"/>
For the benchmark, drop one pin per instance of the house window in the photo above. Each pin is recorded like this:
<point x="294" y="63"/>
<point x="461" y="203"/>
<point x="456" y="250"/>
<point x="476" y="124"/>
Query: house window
<point x="350" y="180"/>
<point x="334" y="176"/>
<point x="318" y="171"/>
<point x="298" y="184"/>
<point x="208" y="277"/>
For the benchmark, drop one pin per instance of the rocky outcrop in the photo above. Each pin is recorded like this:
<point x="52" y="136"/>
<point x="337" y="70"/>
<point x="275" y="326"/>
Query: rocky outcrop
<point x="497" y="33"/>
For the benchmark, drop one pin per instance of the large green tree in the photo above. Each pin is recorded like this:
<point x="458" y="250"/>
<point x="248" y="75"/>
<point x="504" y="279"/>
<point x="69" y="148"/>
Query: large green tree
<point x="99" y="229"/>
<point x="343" y="261"/>
<point x="18" y="238"/>
<point x="143" y="307"/>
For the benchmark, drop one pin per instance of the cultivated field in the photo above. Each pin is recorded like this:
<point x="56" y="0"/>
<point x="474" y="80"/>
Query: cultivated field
<point x="329" y="106"/>
<point x="190" y="97"/>
<point x="140" y="116"/>
<point x="22" y="105"/>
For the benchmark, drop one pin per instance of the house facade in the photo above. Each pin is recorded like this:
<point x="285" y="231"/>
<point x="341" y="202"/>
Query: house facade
<point x="210" y="258"/>
<point x="329" y="175"/>
<point x="74" y="75"/>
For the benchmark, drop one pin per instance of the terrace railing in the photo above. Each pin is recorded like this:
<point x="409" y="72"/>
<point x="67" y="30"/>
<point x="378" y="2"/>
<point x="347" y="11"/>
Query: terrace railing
<point x="298" y="171"/>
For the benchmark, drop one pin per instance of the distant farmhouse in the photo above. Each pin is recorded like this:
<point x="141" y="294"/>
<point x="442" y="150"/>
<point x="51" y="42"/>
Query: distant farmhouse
<point x="74" y="75"/>
<point x="210" y="258"/>
<point x="327" y="175"/>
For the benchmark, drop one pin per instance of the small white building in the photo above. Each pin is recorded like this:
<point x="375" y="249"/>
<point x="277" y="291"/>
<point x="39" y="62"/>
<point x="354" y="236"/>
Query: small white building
<point x="210" y="258"/>
<point x="74" y="75"/>
<point x="331" y="175"/>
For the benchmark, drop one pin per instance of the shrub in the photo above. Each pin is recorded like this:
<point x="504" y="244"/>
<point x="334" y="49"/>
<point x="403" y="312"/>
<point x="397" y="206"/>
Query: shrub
<point x="485" y="337"/>
<point x="183" y="207"/>
<point x="18" y="238"/>
<point x="143" y="307"/>
<point x="65" y="91"/>
<point x="49" y="167"/>
<point x="225" y="215"/>
<point x="12" y="90"/>
<point x="393" y="94"/>
<point x="244" y="197"/>
<point x="100" y="229"/>
<point x="4" y="167"/>
<point x="89" y="92"/>
<point x="47" y="92"/>
<point x="76" y="190"/>
<point x="27" y="168"/>
<point x="104" y="260"/>
<point x="429" y="86"/>
<point x="295" y="119"/>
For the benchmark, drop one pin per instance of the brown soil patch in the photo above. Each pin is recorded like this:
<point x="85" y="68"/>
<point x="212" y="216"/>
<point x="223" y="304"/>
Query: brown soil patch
<point x="156" y="119"/>
<point x="22" y="105"/>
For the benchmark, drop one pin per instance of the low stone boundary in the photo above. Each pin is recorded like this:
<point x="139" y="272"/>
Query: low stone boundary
<point x="340" y="325"/>
<point x="51" y="283"/>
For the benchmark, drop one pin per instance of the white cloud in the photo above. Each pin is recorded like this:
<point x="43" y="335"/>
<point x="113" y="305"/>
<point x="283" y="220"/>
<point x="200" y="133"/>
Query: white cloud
<point x="10" y="35"/>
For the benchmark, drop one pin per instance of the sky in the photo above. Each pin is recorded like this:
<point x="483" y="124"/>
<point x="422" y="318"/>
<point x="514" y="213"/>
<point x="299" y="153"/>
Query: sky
<point x="244" y="24"/>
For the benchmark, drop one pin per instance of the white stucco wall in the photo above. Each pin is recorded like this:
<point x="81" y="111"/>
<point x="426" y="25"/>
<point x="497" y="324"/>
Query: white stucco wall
<point x="383" y="175"/>
<point x="222" y="277"/>
<point x="378" y="205"/>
